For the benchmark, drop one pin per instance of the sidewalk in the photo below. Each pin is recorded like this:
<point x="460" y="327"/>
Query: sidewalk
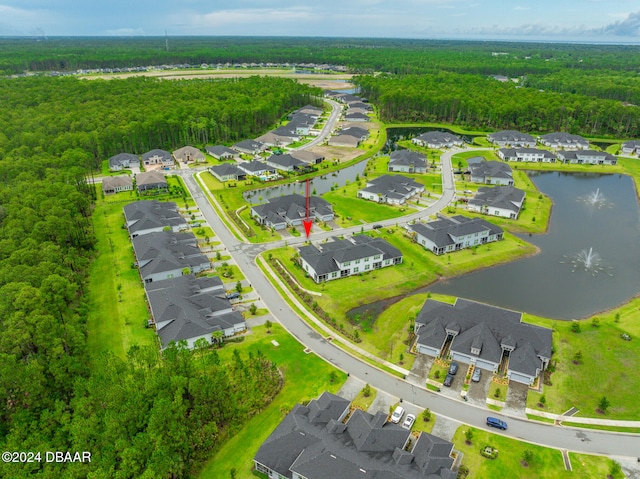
<point x="583" y="420"/>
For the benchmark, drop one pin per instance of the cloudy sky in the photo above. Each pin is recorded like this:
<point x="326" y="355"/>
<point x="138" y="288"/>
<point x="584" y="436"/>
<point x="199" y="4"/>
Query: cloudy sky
<point x="552" y="20"/>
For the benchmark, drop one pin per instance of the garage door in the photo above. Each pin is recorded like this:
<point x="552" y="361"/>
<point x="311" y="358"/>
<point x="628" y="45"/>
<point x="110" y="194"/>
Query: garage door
<point x="520" y="378"/>
<point x="487" y="365"/>
<point x="428" y="350"/>
<point x="461" y="357"/>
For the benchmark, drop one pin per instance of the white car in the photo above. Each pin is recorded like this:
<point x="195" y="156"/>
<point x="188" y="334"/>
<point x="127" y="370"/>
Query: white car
<point x="397" y="415"/>
<point x="408" y="422"/>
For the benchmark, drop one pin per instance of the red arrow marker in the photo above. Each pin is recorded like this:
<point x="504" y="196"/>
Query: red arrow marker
<point x="307" y="226"/>
<point x="307" y="222"/>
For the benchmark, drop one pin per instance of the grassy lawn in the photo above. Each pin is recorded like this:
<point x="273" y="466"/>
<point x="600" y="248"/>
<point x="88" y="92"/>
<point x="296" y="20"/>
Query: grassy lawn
<point x="116" y="296"/>
<point x="387" y="336"/>
<point x="607" y="366"/>
<point x="546" y="463"/>
<point x="363" y="402"/>
<point x="305" y="377"/>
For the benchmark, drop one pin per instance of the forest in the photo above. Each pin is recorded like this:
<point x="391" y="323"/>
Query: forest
<point x="146" y="414"/>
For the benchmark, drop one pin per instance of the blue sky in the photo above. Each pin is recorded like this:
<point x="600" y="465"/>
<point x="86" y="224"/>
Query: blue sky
<point x="551" y="20"/>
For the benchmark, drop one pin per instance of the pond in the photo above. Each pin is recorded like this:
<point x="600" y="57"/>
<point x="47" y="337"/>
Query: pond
<point x="317" y="186"/>
<point x="588" y="262"/>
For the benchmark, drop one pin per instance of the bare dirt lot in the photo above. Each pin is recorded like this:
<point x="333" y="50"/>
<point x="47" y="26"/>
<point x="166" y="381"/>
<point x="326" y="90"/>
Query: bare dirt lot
<point x="324" y="81"/>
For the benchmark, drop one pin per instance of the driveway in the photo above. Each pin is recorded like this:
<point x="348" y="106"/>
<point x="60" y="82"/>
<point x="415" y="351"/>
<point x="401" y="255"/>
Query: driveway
<point x="516" y="399"/>
<point x="420" y="370"/>
<point x="478" y="391"/>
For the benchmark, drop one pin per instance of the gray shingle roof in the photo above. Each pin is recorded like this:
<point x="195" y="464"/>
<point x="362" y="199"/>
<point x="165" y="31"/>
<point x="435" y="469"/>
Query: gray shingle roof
<point x="506" y="197"/>
<point x="510" y="136"/>
<point x="407" y="158"/>
<point x="563" y="138"/>
<point x="165" y="155"/>
<point x="143" y="215"/>
<point x="394" y="186"/>
<point x="487" y="326"/>
<point x="166" y="251"/>
<point x="124" y="160"/>
<point x="293" y="206"/>
<point x="220" y="150"/>
<point x="226" y="169"/>
<point x="286" y="161"/>
<point x="443" y="230"/>
<point x="438" y="137"/>
<point x="491" y="169"/>
<point x="366" y="445"/>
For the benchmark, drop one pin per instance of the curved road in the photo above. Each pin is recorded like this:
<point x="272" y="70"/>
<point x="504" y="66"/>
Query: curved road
<point x="572" y="439"/>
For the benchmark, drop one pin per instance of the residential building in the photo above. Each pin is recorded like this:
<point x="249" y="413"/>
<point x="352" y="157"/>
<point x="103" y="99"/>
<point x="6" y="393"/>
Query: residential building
<point x="512" y="138"/>
<point x="143" y="217"/>
<point x="308" y="156"/>
<point x="504" y="201"/>
<point x="151" y="180"/>
<point x="158" y="157"/>
<point x="227" y="171"/>
<point x="286" y="163"/>
<point x="167" y="255"/>
<point x="565" y="141"/>
<point x="630" y="147"/>
<point x="355" y="131"/>
<point x="527" y="155"/>
<point x="445" y="235"/>
<point x="392" y="189"/>
<point x="587" y="157"/>
<point x="189" y="154"/>
<point x="356" y="117"/>
<point x="220" y="152"/>
<point x="186" y="308"/>
<point x="290" y="210"/>
<point x="438" y="139"/>
<point x="338" y="258"/>
<point x="342" y="139"/>
<point x="485" y="336"/>
<point x="256" y="168"/>
<point x="318" y="442"/>
<point x="250" y="147"/>
<point x="491" y="173"/>
<point x="271" y="139"/>
<point x="116" y="184"/>
<point x="407" y="161"/>
<point x="122" y="161"/>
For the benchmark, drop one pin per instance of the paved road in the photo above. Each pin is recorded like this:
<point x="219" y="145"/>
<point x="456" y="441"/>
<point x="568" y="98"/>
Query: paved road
<point x="579" y="440"/>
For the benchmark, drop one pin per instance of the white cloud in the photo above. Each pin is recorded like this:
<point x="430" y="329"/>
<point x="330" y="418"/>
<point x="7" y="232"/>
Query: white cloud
<point x="125" y="32"/>
<point x="238" y="18"/>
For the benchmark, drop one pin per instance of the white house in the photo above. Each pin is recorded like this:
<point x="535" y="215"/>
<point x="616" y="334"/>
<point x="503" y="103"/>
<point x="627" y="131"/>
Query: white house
<point x="392" y="189"/>
<point x="504" y="201"/>
<point x="587" y="157"/>
<point x="527" y="155"/>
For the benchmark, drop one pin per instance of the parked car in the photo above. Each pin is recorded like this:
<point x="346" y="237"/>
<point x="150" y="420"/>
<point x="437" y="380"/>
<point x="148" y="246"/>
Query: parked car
<point x="408" y="422"/>
<point x="376" y="227"/>
<point x="397" y="415"/>
<point x="453" y="369"/>
<point x="495" y="422"/>
<point x="233" y="295"/>
<point x="448" y="380"/>
<point x="477" y="374"/>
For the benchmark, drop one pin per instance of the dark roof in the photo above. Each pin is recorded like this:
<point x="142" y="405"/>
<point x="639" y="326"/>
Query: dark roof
<point x="443" y="231"/>
<point x="487" y="328"/>
<point x="355" y="131"/>
<point x="573" y="154"/>
<point x="165" y="155"/>
<point x="293" y="206"/>
<point x="499" y="197"/>
<point x="631" y="144"/>
<point x="183" y="308"/>
<point x="511" y="152"/>
<point x="124" y="159"/>
<point x="407" y="158"/>
<point x="227" y="169"/>
<point x="255" y="166"/>
<point x="220" y="150"/>
<point x="356" y="116"/>
<point x="249" y="145"/>
<point x="564" y="138"/>
<point x="114" y="181"/>
<point x="491" y="169"/>
<point x="143" y="215"/>
<point x="307" y="155"/>
<point x="510" y="136"/>
<point x="165" y="251"/>
<point x="323" y="447"/>
<point x="324" y="257"/>
<point x="286" y="161"/>
<point x="438" y="137"/>
<point x="393" y="186"/>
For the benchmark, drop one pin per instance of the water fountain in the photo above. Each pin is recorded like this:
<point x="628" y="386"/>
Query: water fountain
<point x="590" y="261"/>
<point x="595" y="199"/>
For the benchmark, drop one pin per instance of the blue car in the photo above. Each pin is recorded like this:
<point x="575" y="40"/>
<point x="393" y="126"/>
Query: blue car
<point x="453" y="369"/>
<point x="495" y="422"/>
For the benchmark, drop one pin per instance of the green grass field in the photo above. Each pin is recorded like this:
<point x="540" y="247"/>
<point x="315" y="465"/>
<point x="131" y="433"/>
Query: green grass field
<point x="305" y="377"/>
<point x="116" y="296"/>
<point x="546" y="463"/>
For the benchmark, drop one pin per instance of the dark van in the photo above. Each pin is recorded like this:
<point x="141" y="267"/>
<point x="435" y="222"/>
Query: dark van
<point x="495" y="422"/>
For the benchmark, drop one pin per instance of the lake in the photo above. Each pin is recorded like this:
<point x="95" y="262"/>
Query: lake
<point x="555" y="283"/>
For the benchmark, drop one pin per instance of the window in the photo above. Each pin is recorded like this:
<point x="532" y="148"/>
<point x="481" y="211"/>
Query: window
<point x="357" y="261"/>
<point x="367" y="266"/>
<point x="355" y="270"/>
<point x="334" y="275"/>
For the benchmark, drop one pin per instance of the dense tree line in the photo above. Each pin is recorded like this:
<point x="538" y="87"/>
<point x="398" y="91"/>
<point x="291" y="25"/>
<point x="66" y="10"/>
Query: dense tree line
<point x="146" y="415"/>
<point x="481" y="102"/>
<point x="136" y="115"/>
